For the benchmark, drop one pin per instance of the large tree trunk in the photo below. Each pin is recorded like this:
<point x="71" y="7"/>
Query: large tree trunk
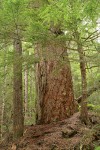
<point x="55" y="98"/>
<point x="18" y="119"/>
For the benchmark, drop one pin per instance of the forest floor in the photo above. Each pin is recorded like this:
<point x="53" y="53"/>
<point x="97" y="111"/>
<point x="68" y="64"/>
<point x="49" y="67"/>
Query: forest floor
<point x="69" y="134"/>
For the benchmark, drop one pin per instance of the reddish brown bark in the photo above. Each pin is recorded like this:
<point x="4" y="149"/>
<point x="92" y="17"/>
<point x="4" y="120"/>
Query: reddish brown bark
<point x="55" y="99"/>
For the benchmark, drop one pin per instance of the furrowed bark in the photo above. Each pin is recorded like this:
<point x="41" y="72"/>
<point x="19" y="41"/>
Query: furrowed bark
<point x="55" y="99"/>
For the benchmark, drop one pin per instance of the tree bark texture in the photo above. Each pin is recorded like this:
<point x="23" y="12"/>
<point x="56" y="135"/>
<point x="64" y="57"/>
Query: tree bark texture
<point x="25" y="90"/>
<point x="84" y="108"/>
<point x="2" y="106"/>
<point x="18" y="119"/>
<point x="55" y="96"/>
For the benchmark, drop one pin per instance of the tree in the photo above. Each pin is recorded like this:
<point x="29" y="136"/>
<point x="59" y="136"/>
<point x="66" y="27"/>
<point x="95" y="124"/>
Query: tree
<point x="18" y="118"/>
<point x="54" y="83"/>
<point x="25" y="89"/>
<point x="56" y="24"/>
<point x="78" y="37"/>
<point x="3" y="103"/>
<point x="13" y="20"/>
<point x="50" y="31"/>
<point x="84" y="109"/>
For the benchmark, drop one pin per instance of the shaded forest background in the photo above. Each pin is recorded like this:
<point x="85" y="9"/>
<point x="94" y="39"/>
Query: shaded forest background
<point x="76" y="23"/>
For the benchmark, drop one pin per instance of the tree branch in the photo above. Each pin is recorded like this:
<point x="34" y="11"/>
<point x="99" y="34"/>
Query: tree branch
<point x="90" y="36"/>
<point x="92" y="67"/>
<point x="90" y="92"/>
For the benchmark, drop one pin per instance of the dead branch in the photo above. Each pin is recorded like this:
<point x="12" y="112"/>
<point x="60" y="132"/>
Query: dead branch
<point x="89" y="93"/>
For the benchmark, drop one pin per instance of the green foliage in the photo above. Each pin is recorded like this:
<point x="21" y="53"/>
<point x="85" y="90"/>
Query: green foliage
<point x="34" y="21"/>
<point x="97" y="148"/>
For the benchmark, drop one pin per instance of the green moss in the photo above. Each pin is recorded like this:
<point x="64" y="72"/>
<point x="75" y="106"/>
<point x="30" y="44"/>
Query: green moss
<point x="91" y="106"/>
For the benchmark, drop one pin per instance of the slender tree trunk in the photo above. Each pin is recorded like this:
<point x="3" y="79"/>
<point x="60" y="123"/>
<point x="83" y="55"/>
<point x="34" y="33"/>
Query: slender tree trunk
<point x="84" y="111"/>
<point x="31" y="91"/>
<point x="2" y="106"/>
<point x="25" y="90"/>
<point x="84" y="108"/>
<point x="3" y="103"/>
<point x="0" y="119"/>
<point x="55" y="96"/>
<point x="18" y="119"/>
